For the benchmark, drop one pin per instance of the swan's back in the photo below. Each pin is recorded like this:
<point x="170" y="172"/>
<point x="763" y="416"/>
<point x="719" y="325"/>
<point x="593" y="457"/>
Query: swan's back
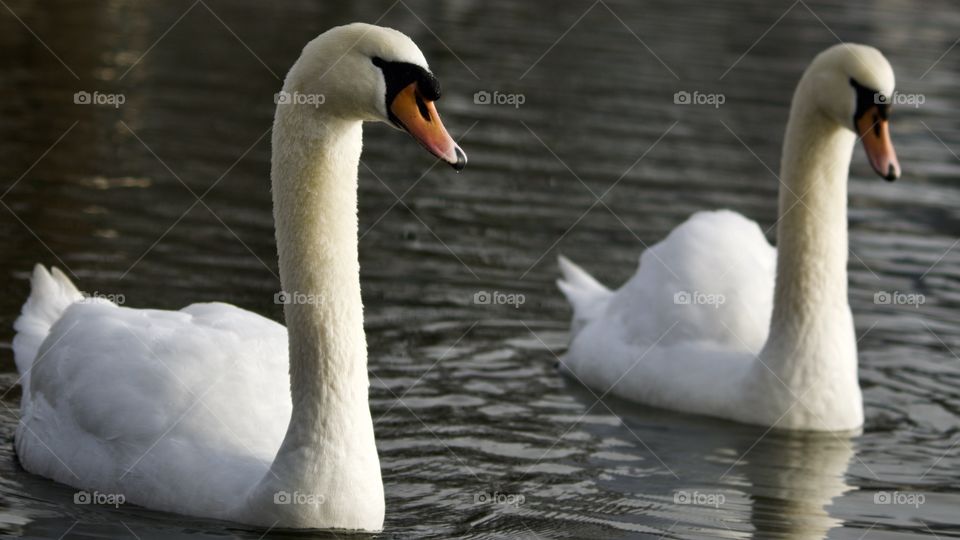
<point x="710" y="279"/>
<point x="177" y="410"/>
<point x="689" y="322"/>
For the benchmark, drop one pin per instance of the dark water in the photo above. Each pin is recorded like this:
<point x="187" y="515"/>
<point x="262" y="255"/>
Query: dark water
<point x="466" y="396"/>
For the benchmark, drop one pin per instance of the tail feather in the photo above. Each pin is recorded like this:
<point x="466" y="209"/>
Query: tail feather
<point x="586" y="294"/>
<point x="50" y="294"/>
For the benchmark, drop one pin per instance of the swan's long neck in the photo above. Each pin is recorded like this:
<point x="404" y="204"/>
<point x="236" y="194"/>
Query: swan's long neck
<point x="811" y="328"/>
<point x="329" y="446"/>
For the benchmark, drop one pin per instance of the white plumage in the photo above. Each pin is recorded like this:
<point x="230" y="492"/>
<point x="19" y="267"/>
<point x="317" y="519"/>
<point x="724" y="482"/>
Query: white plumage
<point x="714" y="274"/>
<point x="173" y="409"/>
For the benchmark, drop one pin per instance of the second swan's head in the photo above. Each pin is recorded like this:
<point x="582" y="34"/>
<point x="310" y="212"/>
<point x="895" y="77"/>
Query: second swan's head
<point x="853" y="84"/>
<point x="370" y="73"/>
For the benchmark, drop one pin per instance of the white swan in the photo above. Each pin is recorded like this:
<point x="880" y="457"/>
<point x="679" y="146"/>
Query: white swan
<point x="190" y="411"/>
<point x="718" y="322"/>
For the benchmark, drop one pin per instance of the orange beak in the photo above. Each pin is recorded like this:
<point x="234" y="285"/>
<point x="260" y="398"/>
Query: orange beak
<point x="419" y="117"/>
<point x="874" y="131"/>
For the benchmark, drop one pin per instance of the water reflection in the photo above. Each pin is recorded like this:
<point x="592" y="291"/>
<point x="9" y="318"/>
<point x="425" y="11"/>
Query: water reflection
<point x="737" y="481"/>
<point x="795" y="480"/>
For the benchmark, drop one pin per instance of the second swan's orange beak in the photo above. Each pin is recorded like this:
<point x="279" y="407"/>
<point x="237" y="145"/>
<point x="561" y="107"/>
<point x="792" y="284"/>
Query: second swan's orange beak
<point x="874" y="130"/>
<point x="419" y="117"/>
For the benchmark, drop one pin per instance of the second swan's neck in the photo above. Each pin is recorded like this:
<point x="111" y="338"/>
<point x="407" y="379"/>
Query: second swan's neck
<point x="810" y="299"/>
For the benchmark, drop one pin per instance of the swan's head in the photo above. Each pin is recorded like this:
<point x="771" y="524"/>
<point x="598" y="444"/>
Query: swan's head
<point x="853" y="84"/>
<point x="370" y="73"/>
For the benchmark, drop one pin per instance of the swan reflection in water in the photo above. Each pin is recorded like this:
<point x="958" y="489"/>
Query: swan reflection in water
<point x="793" y="479"/>
<point x="714" y="473"/>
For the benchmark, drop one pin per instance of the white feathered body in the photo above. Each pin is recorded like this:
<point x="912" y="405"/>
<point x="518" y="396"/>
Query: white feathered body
<point x="175" y="410"/>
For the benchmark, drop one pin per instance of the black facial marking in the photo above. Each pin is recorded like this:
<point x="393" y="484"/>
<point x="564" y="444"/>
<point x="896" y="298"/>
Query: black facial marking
<point x="399" y="75"/>
<point x="867" y="98"/>
<point x="422" y="107"/>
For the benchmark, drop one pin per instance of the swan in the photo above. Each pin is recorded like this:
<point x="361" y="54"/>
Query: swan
<point x="716" y="321"/>
<point x="214" y="411"/>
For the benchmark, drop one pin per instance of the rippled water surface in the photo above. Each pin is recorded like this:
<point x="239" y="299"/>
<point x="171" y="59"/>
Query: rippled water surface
<point x="466" y="397"/>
